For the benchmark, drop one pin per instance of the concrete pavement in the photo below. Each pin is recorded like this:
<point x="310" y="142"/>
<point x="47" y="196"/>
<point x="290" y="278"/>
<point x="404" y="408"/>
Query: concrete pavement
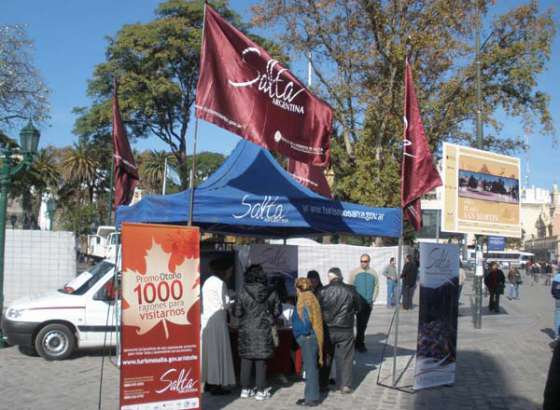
<point x="501" y="366"/>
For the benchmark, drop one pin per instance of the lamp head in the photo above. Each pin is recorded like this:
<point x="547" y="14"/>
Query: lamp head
<point x="29" y="138"/>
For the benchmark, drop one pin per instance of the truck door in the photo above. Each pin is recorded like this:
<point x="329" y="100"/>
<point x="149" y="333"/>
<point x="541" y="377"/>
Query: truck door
<point x="101" y="322"/>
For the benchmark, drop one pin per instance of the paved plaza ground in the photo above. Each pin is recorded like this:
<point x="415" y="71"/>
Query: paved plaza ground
<point x="501" y="366"/>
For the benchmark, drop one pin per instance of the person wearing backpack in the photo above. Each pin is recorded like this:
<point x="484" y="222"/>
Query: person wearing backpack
<point x="555" y="291"/>
<point x="307" y="326"/>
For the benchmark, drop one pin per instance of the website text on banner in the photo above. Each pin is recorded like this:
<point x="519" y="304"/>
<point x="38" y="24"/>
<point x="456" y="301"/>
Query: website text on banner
<point x="160" y="348"/>
<point x="436" y="352"/>
<point x="310" y="176"/>
<point x="243" y="89"/>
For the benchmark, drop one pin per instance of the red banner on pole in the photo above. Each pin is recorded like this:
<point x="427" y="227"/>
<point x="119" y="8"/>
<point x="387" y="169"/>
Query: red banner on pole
<point x="418" y="173"/>
<point x="243" y="89"/>
<point x="160" y="349"/>
<point x="310" y="176"/>
<point x="125" y="170"/>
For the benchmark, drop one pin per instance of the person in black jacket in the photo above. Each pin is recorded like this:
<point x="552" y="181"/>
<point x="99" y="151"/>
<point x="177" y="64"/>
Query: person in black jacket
<point x="495" y="281"/>
<point x="409" y="276"/>
<point x="257" y="308"/>
<point x="339" y="303"/>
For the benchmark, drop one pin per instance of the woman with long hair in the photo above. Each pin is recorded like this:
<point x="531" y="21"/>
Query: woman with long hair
<point x="307" y="326"/>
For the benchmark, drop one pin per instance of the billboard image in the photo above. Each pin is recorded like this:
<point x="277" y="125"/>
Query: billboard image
<point x="481" y="192"/>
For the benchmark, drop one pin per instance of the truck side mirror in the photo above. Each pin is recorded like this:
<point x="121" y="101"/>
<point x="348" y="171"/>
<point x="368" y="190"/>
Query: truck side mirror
<point x="107" y="292"/>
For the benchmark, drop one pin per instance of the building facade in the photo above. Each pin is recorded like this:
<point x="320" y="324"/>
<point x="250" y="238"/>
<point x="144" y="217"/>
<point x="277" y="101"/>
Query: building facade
<point x="540" y="215"/>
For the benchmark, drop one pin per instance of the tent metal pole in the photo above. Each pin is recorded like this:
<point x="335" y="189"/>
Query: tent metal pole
<point x="397" y="308"/>
<point x="164" y="177"/>
<point x="193" y="172"/>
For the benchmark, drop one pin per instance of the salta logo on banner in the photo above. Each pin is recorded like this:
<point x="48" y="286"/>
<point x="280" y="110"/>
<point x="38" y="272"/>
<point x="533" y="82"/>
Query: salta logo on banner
<point x="267" y="210"/>
<point x="272" y="82"/>
<point x="160" y="349"/>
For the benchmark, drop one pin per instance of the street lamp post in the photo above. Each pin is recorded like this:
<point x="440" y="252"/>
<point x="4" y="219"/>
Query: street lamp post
<point x="29" y="140"/>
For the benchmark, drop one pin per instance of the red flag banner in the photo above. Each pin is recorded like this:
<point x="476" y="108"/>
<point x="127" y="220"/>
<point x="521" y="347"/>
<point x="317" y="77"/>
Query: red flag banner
<point x="418" y="173"/>
<point x="311" y="176"/>
<point x="125" y="170"/>
<point x="243" y="89"/>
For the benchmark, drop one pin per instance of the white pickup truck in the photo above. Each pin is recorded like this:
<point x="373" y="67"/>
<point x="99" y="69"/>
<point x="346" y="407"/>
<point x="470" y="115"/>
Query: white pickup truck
<point x="104" y="243"/>
<point x="81" y="314"/>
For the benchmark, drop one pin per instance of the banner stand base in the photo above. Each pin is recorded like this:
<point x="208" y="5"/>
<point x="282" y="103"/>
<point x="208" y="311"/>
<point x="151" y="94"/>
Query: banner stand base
<point x="404" y="379"/>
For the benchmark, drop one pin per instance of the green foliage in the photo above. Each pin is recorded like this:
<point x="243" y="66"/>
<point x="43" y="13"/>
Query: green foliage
<point x="80" y="219"/>
<point x="151" y="165"/>
<point x="358" y="50"/>
<point x="157" y="65"/>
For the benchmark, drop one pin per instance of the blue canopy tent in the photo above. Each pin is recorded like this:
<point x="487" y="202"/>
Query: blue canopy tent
<point x="251" y="194"/>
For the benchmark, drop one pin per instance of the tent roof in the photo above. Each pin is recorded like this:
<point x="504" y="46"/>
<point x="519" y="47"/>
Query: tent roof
<point x="251" y="194"/>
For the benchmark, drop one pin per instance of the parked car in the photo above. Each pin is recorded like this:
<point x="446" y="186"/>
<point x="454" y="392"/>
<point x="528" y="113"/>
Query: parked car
<point x="79" y="315"/>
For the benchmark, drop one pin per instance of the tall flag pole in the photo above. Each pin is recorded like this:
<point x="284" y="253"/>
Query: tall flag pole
<point x="124" y="170"/>
<point x="244" y="90"/>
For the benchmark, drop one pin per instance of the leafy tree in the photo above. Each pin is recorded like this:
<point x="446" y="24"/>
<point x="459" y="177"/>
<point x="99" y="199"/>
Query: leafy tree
<point x="23" y="95"/>
<point x="358" y="49"/>
<point x="152" y="168"/>
<point x="157" y="66"/>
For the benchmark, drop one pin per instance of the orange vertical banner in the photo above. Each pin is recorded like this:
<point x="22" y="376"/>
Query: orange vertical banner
<point x="160" y="349"/>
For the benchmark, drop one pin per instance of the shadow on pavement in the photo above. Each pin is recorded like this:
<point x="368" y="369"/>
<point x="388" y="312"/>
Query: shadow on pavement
<point x="480" y="384"/>
<point x="549" y="332"/>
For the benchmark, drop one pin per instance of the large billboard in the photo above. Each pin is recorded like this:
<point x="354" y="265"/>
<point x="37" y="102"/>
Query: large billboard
<point x="160" y="348"/>
<point x="481" y="192"/>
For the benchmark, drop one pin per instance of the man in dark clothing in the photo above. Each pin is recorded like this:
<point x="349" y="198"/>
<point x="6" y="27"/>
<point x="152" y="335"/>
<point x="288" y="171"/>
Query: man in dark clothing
<point x="409" y="276"/>
<point x="339" y="303"/>
<point x="495" y="281"/>
<point x="552" y="388"/>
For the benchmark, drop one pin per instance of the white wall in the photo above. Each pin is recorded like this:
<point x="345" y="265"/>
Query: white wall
<point x="36" y="261"/>
<point x="317" y="257"/>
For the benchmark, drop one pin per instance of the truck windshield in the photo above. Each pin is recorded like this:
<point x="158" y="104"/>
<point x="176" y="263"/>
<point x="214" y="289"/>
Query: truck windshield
<point x="84" y="281"/>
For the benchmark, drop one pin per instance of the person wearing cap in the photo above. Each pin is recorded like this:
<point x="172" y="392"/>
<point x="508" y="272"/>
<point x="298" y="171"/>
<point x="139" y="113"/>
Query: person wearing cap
<point x="216" y="356"/>
<point x="339" y="303"/>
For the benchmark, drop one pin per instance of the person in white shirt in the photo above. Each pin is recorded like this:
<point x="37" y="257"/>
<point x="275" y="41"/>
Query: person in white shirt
<point x="216" y="357"/>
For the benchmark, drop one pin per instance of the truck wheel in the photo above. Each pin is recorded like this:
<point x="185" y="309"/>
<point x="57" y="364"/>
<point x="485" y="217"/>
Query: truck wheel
<point x="55" y="342"/>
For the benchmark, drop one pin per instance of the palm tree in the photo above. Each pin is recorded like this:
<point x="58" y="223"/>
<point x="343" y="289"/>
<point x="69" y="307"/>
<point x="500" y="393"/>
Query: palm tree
<point x="82" y="166"/>
<point x="152" y="168"/>
<point x="46" y="170"/>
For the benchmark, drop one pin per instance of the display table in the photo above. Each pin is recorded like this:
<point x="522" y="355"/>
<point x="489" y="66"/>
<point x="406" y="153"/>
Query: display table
<point x="280" y="362"/>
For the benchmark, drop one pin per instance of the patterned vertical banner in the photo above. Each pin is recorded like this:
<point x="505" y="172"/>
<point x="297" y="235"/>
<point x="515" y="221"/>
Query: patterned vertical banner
<point x="437" y="324"/>
<point x="160" y="350"/>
